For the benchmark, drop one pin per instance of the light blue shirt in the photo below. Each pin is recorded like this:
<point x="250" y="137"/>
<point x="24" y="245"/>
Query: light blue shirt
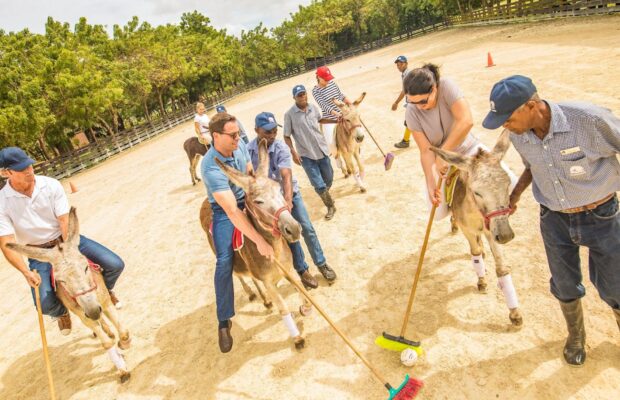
<point x="214" y="178"/>
<point x="279" y="157"/>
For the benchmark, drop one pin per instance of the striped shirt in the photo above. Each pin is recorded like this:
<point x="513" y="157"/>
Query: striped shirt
<point x="324" y="97"/>
<point x="576" y="163"/>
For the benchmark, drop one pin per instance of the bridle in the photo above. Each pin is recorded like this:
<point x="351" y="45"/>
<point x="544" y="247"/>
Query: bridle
<point x="492" y="214"/>
<point x="275" y="218"/>
<point x="92" y="288"/>
<point x="349" y="126"/>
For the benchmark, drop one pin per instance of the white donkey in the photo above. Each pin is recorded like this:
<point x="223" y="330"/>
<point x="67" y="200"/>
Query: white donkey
<point x="481" y="205"/>
<point x="81" y="289"/>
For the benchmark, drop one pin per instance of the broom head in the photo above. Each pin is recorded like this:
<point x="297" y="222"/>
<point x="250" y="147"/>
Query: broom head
<point x="407" y="390"/>
<point x="389" y="159"/>
<point x="394" y="345"/>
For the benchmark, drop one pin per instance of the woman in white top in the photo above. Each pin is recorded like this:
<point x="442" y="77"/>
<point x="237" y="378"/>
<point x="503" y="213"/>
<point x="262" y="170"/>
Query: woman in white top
<point x="201" y="124"/>
<point x="438" y="115"/>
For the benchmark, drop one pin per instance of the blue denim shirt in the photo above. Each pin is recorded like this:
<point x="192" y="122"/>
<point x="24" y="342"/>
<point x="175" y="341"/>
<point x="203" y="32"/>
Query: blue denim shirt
<point x="279" y="157"/>
<point x="214" y="178"/>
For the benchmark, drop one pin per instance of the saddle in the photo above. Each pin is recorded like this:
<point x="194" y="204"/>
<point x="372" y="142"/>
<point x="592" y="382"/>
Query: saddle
<point x="237" y="238"/>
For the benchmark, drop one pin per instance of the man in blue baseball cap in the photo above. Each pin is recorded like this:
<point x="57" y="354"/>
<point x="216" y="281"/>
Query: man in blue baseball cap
<point x="569" y="150"/>
<point x="244" y="136"/>
<point x="281" y="170"/>
<point x="34" y="210"/>
<point x="311" y="151"/>
<point x="402" y="66"/>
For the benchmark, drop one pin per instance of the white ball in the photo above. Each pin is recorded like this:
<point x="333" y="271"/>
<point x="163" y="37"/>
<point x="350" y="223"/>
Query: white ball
<point x="408" y="357"/>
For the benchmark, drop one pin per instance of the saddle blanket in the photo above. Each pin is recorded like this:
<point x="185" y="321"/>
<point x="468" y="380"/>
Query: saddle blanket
<point x="237" y="238"/>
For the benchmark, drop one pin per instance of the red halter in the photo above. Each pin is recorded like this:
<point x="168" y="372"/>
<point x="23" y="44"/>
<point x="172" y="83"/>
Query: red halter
<point x="496" y="213"/>
<point x="275" y="218"/>
<point x="93" y="267"/>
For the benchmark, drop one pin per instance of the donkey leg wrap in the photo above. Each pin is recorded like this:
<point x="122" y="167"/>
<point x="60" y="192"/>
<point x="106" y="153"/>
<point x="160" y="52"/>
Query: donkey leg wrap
<point x="290" y="325"/>
<point x="478" y="263"/>
<point x="505" y="283"/>
<point x="117" y="359"/>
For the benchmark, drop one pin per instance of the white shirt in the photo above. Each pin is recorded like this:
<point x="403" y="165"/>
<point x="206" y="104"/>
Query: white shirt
<point x="203" y="122"/>
<point x="33" y="220"/>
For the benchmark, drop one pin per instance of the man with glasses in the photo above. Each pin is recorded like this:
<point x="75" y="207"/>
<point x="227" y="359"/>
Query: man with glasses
<point x="281" y="170"/>
<point x="227" y="203"/>
<point x="244" y="136"/>
<point x="34" y="210"/>
<point x="402" y="66"/>
<point x="301" y="122"/>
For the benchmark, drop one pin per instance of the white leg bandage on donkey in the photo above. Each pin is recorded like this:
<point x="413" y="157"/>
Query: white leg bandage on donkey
<point x="505" y="283"/>
<point x="478" y="263"/>
<point x="290" y="325"/>
<point x="117" y="358"/>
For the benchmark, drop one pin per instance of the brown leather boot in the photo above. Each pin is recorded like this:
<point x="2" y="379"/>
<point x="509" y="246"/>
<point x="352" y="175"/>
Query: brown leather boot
<point x="329" y="203"/>
<point x="574" y="349"/>
<point x="64" y="324"/>
<point x="225" y="339"/>
<point x="308" y="280"/>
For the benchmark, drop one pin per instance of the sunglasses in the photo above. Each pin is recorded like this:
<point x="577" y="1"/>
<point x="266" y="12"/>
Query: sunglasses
<point x="425" y="101"/>
<point x="234" y="135"/>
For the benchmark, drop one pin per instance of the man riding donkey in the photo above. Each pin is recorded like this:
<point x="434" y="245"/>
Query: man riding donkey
<point x="34" y="210"/>
<point x="570" y="152"/>
<point x="281" y="170"/>
<point x="227" y="203"/>
<point x="311" y="151"/>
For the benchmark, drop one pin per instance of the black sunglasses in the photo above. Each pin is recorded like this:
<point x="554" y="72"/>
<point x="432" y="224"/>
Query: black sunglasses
<point x="425" y="101"/>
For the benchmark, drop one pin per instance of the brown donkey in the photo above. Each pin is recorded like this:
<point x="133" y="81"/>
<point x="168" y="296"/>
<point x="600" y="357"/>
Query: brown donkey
<point x="194" y="149"/>
<point x="349" y="136"/>
<point x="268" y="213"/>
<point x="81" y="289"/>
<point x="480" y="206"/>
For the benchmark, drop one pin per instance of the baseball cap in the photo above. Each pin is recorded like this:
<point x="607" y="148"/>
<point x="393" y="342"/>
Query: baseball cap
<point x="220" y="108"/>
<point x="402" y="59"/>
<point x="324" y="73"/>
<point x="506" y="96"/>
<point x="14" y="158"/>
<point x="298" y="89"/>
<point x="266" y="121"/>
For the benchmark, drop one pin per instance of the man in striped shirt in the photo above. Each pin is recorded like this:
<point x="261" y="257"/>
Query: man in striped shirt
<point x="324" y="93"/>
<point x="569" y="150"/>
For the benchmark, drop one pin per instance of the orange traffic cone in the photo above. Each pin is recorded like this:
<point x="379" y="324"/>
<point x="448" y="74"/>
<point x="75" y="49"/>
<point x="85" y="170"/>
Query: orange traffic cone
<point x="490" y="61"/>
<point x="73" y="188"/>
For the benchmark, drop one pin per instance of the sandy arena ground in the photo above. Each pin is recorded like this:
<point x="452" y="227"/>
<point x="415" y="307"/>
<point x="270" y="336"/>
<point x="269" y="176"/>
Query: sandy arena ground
<point x="142" y="205"/>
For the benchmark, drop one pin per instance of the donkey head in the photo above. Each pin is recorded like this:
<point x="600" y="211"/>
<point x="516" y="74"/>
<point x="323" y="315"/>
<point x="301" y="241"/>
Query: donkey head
<point x="71" y="268"/>
<point x="351" y="117"/>
<point x="264" y="197"/>
<point x="489" y="183"/>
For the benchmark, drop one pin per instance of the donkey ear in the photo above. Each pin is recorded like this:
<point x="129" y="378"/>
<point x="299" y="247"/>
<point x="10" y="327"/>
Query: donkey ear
<point x="339" y="103"/>
<point x="73" y="231"/>
<point x="458" y="160"/>
<point x="502" y="145"/>
<point x="45" y="255"/>
<point x="263" y="159"/>
<point x="359" y="99"/>
<point x="236" y="177"/>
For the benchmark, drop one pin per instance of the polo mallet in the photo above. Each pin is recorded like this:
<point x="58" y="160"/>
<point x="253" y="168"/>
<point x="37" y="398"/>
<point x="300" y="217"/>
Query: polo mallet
<point x="410" y="386"/>
<point x="46" y="355"/>
<point x="389" y="157"/>
<point x="399" y="343"/>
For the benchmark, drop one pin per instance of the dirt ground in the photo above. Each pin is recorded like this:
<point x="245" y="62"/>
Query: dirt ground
<point x="142" y="205"/>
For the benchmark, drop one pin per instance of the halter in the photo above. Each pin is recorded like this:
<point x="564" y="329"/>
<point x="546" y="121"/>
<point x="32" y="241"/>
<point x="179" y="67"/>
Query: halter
<point x="275" y="218"/>
<point x="348" y="128"/>
<point x="93" y="267"/>
<point x="492" y="214"/>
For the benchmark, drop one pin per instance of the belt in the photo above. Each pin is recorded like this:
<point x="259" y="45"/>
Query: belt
<point x="50" y="244"/>
<point x="588" y="207"/>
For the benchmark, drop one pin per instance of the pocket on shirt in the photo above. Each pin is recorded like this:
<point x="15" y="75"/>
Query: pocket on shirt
<point x="578" y="169"/>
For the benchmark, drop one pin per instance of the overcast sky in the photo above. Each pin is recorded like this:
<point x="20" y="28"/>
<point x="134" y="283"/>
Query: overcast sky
<point x="234" y="15"/>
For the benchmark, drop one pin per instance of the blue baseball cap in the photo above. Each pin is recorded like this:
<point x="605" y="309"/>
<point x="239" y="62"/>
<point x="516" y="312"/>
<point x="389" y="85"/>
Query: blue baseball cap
<point x="15" y="159"/>
<point x="506" y="96"/>
<point x="298" y="89"/>
<point x="266" y="121"/>
<point x="402" y="59"/>
<point x="220" y="108"/>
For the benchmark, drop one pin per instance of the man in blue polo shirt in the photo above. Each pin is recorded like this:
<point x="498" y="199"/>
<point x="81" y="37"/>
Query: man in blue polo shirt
<point x="227" y="202"/>
<point x="570" y="151"/>
<point x="281" y="170"/>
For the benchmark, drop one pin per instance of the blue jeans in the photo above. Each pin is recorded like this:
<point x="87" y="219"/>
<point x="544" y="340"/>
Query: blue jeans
<point x="307" y="230"/>
<point x="110" y="263"/>
<point x="599" y="231"/>
<point x="320" y="173"/>
<point x="223" y="230"/>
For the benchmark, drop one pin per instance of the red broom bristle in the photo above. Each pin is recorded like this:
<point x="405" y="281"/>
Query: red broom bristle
<point x="410" y="390"/>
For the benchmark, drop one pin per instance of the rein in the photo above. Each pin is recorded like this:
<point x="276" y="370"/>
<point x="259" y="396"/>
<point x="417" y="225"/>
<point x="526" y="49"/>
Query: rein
<point x="93" y="267"/>
<point x="275" y="218"/>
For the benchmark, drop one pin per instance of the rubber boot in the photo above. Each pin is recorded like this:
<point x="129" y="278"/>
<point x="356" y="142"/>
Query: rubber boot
<point x="574" y="349"/>
<point x="329" y="203"/>
<point x="617" y="313"/>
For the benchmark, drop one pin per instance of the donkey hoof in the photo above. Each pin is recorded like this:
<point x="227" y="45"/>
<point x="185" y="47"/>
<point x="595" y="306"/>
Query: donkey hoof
<point x="198" y="179"/>
<point x="252" y="297"/>
<point x="363" y="189"/>
<point x="268" y="305"/>
<point x="300" y="343"/>
<point x="111" y="335"/>
<point x="125" y="376"/>
<point x="482" y="288"/>
<point x="346" y="175"/>
<point x="305" y="311"/>
<point x="515" y="317"/>
<point x="124" y="343"/>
